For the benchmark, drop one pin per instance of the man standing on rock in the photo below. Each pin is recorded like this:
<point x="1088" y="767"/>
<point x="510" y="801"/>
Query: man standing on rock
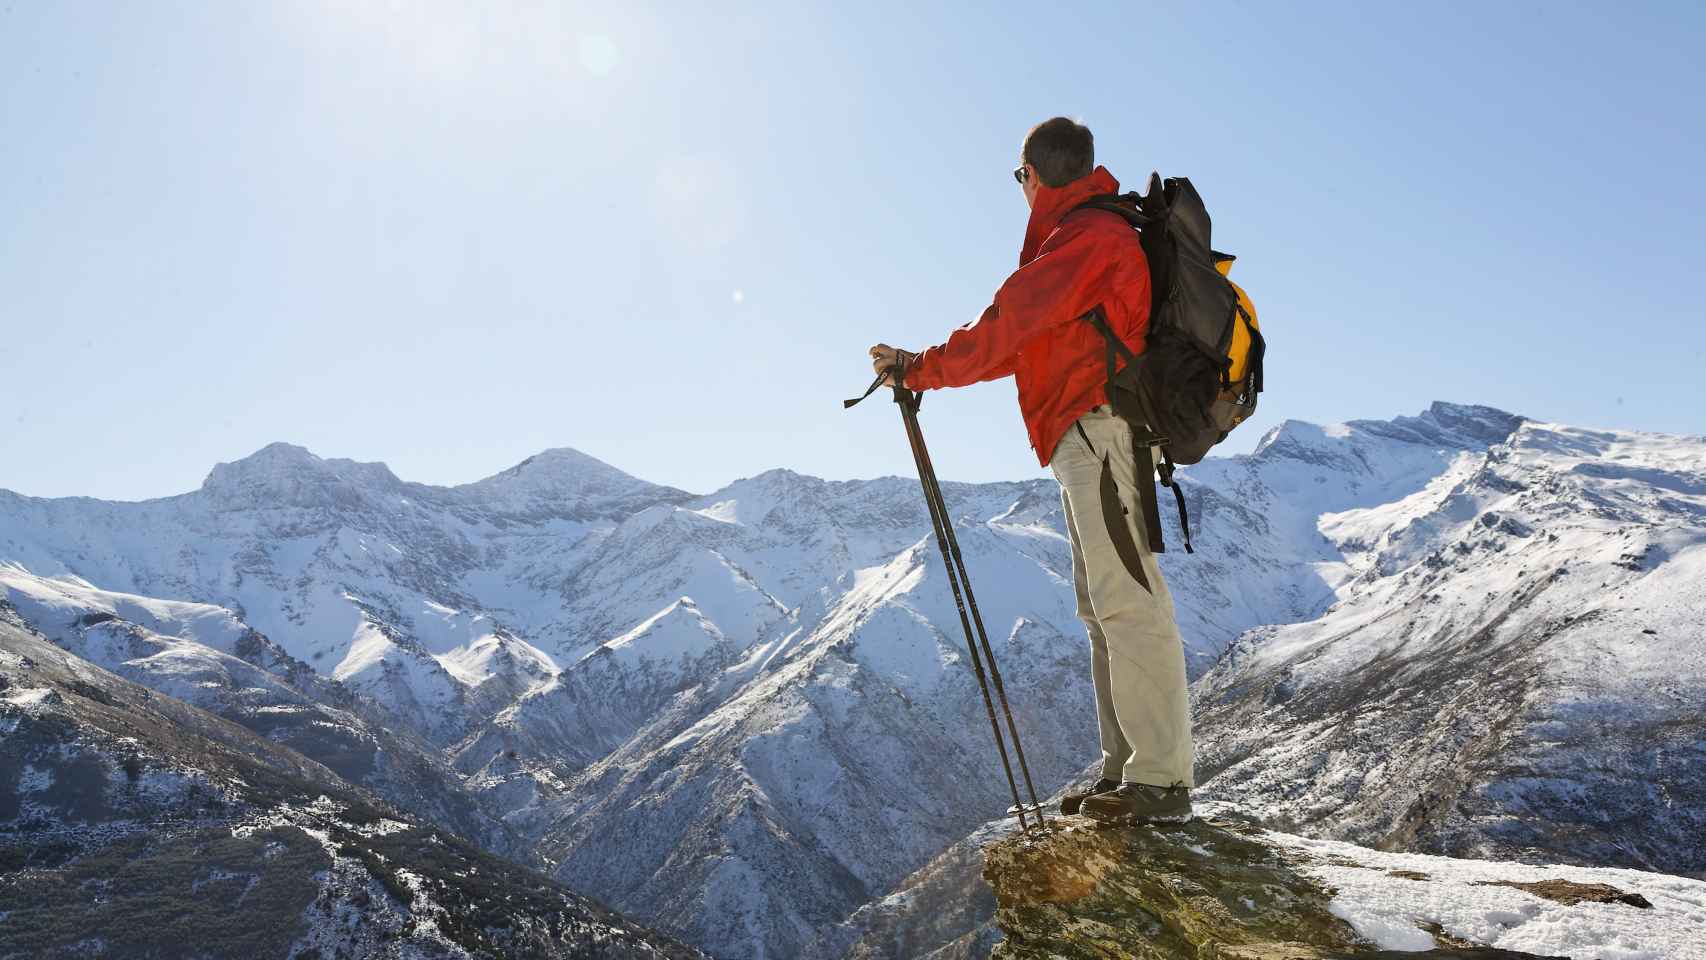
<point x="1073" y="261"/>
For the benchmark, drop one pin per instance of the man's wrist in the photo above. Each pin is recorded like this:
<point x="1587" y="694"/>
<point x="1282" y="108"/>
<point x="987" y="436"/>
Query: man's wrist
<point x="905" y="361"/>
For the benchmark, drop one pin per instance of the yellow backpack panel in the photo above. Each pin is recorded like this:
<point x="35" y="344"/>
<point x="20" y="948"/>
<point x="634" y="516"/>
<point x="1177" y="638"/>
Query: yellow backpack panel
<point x="1239" y="352"/>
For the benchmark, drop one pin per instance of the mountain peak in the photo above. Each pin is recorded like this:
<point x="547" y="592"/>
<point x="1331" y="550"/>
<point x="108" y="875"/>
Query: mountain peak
<point x="561" y="457"/>
<point x="281" y="451"/>
<point x="780" y="475"/>
<point x="678" y="630"/>
<point x="563" y="472"/>
<point x="284" y="474"/>
<point x="1481" y="425"/>
<point x="1459" y="425"/>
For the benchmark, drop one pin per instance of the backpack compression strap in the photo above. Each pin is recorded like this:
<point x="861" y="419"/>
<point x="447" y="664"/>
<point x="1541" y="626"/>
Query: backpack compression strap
<point x="1164" y="470"/>
<point x="1145" y="494"/>
<point x="1146" y="498"/>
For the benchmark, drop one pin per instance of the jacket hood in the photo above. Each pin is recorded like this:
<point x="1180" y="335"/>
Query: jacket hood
<point x="1054" y="203"/>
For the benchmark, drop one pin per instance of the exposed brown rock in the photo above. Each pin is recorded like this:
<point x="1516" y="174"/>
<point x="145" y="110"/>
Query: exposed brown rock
<point x="1570" y="893"/>
<point x="1198" y="890"/>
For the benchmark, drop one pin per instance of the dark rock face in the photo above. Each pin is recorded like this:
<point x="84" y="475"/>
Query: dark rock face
<point x="1207" y="889"/>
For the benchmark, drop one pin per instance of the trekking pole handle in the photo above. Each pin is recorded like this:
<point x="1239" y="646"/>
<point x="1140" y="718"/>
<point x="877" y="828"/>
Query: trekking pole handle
<point x="911" y="399"/>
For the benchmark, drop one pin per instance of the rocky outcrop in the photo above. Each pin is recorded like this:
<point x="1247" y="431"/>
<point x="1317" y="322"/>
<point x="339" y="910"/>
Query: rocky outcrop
<point x="1208" y="889"/>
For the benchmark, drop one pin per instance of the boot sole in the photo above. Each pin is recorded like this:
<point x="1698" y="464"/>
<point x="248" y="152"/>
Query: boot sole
<point x="1139" y="819"/>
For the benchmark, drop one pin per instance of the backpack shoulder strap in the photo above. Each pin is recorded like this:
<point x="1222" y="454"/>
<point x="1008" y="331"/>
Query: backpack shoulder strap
<point x="1127" y="205"/>
<point x="1099" y="319"/>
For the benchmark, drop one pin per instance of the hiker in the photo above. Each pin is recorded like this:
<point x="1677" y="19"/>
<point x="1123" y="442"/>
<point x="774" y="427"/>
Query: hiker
<point x="1073" y="261"/>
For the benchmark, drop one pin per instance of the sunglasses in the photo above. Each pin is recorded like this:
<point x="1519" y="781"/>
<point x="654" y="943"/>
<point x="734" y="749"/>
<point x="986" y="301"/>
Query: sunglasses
<point x="1020" y="175"/>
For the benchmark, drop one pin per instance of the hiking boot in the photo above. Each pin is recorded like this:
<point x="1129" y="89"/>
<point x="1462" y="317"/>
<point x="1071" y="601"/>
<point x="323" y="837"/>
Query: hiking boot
<point x="1070" y="803"/>
<point x="1142" y="803"/>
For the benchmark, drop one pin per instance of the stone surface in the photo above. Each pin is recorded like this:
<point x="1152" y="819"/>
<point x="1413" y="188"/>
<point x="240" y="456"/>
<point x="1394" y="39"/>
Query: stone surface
<point x="1206" y="890"/>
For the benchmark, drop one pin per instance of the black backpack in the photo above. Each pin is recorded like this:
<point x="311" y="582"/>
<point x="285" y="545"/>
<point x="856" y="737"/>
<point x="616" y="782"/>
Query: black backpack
<point x="1201" y="369"/>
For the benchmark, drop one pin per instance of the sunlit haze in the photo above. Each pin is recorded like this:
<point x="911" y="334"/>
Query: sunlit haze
<point x="448" y="236"/>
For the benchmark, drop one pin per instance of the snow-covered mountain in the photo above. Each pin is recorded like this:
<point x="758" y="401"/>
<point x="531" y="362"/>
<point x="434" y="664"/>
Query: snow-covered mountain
<point x="1516" y="666"/>
<point x="743" y="716"/>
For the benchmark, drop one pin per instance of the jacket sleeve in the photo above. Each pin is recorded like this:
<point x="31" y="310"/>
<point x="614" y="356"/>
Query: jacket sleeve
<point x="1053" y="288"/>
<point x="955" y="363"/>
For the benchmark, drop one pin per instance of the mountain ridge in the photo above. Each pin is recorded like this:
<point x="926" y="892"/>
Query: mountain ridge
<point x="725" y="784"/>
<point x="1442" y="421"/>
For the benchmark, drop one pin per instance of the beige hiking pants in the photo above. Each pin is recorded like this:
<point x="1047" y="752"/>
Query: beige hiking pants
<point x="1136" y="655"/>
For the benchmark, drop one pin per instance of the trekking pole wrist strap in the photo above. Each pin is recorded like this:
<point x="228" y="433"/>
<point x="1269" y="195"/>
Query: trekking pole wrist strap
<point x="896" y="371"/>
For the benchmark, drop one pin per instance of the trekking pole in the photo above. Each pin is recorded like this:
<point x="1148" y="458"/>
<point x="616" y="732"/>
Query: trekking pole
<point x="941" y="525"/>
<point x="927" y="468"/>
<point x="914" y="436"/>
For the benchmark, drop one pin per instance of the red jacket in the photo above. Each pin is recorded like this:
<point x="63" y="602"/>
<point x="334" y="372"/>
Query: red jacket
<point x="1071" y="262"/>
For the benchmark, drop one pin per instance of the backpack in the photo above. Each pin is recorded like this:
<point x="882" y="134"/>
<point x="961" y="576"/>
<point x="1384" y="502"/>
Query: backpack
<point x="1201" y="370"/>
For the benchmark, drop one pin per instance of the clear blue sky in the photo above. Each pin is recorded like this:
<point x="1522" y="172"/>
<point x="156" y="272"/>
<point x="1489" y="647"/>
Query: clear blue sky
<point x="446" y="236"/>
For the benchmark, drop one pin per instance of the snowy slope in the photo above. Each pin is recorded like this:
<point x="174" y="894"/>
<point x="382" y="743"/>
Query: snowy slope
<point x="1394" y="899"/>
<point x="749" y="819"/>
